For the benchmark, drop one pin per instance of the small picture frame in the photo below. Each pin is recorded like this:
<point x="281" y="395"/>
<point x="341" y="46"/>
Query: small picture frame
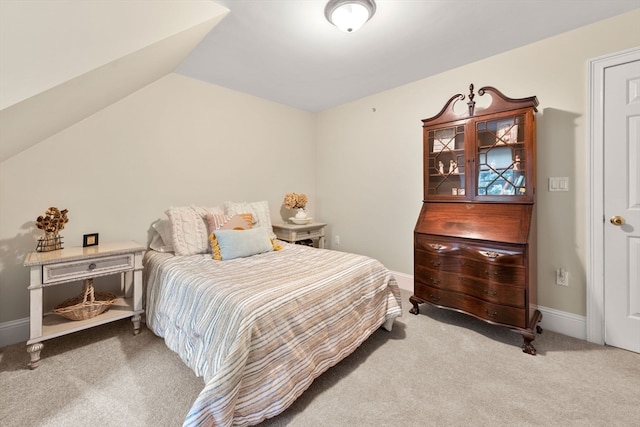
<point x="90" y="240"/>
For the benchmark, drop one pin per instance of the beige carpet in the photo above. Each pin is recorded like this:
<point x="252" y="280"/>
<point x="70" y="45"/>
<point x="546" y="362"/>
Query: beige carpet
<point x="440" y="368"/>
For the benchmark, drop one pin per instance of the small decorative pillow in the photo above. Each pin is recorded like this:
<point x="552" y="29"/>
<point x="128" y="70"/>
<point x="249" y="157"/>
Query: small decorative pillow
<point x="230" y="244"/>
<point x="260" y="211"/>
<point x="229" y="222"/>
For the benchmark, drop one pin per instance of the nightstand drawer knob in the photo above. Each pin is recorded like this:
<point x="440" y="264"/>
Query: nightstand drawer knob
<point x="92" y="266"/>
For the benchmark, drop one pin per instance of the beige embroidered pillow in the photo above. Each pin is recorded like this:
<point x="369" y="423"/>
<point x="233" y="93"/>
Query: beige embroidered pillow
<point x="229" y="222"/>
<point x="260" y="211"/>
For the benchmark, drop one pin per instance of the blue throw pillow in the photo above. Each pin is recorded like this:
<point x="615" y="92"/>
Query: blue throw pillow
<point x="230" y="244"/>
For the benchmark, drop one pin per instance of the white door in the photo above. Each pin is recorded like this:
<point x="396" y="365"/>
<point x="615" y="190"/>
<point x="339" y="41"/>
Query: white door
<point x="622" y="205"/>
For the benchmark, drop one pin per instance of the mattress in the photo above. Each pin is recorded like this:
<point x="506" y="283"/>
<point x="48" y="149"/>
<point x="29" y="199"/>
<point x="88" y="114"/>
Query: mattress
<point x="260" y="329"/>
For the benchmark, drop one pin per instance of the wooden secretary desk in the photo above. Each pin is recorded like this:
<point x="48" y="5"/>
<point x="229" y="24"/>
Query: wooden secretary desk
<point x="475" y="238"/>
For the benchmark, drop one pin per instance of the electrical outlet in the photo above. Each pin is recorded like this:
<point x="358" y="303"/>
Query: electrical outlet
<point x="337" y="240"/>
<point x="562" y="277"/>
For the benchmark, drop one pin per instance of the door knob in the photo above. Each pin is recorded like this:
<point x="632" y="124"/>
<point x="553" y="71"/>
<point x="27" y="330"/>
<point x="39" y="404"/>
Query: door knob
<point x="617" y="220"/>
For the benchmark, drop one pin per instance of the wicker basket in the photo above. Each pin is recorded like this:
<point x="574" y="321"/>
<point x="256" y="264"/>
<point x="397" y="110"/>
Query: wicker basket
<point x="85" y="306"/>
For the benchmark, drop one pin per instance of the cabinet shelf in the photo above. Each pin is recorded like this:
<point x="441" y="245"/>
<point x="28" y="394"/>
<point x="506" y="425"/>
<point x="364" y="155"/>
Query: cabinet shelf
<point x="459" y="150"/>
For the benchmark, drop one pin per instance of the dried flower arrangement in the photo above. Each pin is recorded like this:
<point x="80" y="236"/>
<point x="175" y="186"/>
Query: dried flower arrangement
<point x="53" y="220"/>
<point x="295" y="201"/>
<point x="51" y="223"/>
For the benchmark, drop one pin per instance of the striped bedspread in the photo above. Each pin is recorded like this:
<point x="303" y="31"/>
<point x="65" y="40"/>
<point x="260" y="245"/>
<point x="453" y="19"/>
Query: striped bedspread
<point x="261" y="329"/>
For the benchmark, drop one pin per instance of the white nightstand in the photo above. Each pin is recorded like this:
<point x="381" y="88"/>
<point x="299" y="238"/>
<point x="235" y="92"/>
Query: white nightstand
<point x="76" y="264"/>
<point x="295" y="233"/>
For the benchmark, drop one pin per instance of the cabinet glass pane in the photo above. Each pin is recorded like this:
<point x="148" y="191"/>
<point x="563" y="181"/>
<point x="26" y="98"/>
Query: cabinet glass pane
<point x="445" y="164"/>
<point x="501" y="157"/>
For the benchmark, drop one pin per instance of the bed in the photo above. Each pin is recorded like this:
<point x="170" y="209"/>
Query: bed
<point x="259" y="329"/>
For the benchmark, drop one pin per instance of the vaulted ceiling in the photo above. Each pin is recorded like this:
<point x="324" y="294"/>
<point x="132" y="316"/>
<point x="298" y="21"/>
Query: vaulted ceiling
<point x="63" y="60"/>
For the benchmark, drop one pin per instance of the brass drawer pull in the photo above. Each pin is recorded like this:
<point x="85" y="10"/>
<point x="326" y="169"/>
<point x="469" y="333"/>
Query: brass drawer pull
<point x="494" y="314"/>
<point x="490" y="293"/>
<point x="490" y="254"/>
<point x="435" y="263"/>
<point x="436" y="246"/>
<point x="434" y="297"/>
<point x="434" y="280"/>
<point x="491" y="273"/>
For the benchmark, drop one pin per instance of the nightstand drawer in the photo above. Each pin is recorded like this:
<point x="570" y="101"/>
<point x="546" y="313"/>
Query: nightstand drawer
<point x="294" y="233"/>
<point x="92" y="267"/>
<point x="309" y="234"/>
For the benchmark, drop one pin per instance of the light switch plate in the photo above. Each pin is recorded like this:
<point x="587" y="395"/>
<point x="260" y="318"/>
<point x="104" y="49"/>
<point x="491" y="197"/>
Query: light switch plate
<point x="559" y="183"/>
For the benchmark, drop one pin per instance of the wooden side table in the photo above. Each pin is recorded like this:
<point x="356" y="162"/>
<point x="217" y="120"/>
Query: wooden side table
<point x="293" y="233"/>
<point x="76" y="264"/>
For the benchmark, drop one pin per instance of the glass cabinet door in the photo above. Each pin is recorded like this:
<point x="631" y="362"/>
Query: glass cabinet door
<point x="445" y="162"/>
<point x="501" y="157"/>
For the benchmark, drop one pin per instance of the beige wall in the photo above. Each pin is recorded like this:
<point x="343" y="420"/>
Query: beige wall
<point x="176" y="142"/>
<point x="179" y="141"/>
<point x="369" y="153"/>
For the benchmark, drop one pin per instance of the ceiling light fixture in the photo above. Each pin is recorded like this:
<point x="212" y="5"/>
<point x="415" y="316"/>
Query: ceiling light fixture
<point x="349" y="15"/>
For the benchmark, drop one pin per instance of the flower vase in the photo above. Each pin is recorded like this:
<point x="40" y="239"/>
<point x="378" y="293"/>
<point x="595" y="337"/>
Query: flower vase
<point x="301" y="214"/>
<point x="49" y="242"/>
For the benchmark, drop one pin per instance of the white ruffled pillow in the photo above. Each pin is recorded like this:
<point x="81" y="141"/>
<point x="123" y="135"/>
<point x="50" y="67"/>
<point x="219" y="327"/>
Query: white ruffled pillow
<point x="162" y="240"/>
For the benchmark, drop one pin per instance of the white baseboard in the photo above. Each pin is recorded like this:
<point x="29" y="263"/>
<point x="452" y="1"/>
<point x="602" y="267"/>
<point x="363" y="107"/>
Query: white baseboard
<point x="570" y="324"/>
<point x="554" y="320"/>
<point x="405" y="281"/>
<point x="14" y="331"/>
<point x="563" y="322"/>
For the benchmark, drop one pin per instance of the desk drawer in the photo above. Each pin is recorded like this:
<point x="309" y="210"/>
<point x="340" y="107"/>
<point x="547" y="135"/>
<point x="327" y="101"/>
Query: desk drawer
<point x="496" y="313"/>
<point x="482" y="289"/>
<point x="91" y="267"/>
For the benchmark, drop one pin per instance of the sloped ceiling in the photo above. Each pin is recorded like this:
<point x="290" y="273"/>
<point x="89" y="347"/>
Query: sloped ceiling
<point x="62" y="61"/>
